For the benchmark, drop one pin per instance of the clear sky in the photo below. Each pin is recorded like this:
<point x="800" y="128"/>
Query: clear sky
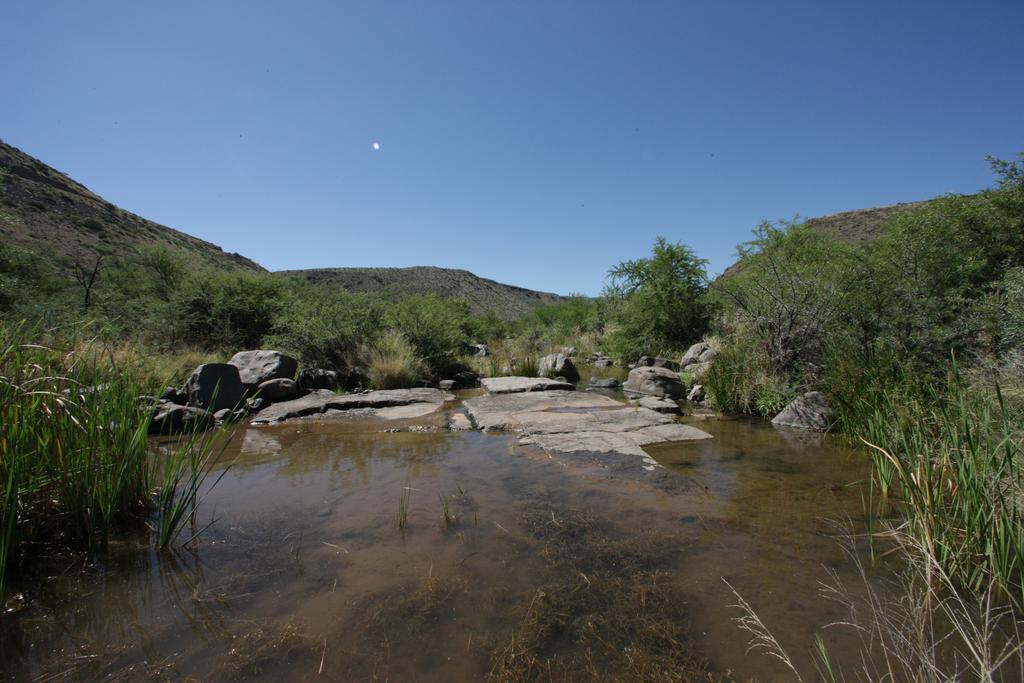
<point x="535" y="143"/>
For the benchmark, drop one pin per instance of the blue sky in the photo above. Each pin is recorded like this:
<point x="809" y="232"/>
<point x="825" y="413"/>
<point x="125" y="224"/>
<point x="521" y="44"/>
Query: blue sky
<point x="535" y="143"/>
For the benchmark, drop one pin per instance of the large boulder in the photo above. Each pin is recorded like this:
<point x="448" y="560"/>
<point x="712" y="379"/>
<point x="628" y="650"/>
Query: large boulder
<point x="171" y="418"/>
<point x="656" y="362"/>
<point x="693" y="354"/>
<point x="809" y="411"/>
<point x="257" y="367"/>
<point x="280" y="389"/>
<point x="654" y="382"/>
<point x="316" y="378"/>
<point x="214" y="386"/>
<point x="558" y="365"/>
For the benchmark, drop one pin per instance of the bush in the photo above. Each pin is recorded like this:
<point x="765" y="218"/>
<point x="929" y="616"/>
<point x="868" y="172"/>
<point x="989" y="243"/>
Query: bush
<point x="393" y="362"/>
<point x="741" y="379"/>
<point x="435" y="327"/>
<point x="214" y="309"/>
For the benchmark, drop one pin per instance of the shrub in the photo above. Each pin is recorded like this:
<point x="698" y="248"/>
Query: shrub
<point x="224" y="309"/>
<point x="435" y="327"/>
<point x="393" y="362"/>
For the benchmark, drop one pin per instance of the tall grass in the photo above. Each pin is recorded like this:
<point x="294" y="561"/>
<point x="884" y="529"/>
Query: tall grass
<point x="393" y="362"/>
<point x="75" y="460"/>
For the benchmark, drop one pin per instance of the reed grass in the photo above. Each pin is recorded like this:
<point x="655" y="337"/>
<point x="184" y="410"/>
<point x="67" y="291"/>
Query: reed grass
<point x="394" y="363"/>
<point x="75" y="460"/>
<point x="403" y="507"/>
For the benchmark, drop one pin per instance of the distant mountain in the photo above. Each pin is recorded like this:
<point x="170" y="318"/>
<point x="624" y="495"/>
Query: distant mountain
<point x="44" y="210"/>
<point x="482" y="295"/>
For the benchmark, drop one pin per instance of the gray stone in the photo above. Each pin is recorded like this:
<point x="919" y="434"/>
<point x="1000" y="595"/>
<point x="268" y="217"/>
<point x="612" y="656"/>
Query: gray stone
<point x="565" y="422"/>
<point x="257" y="404"/>
<point x="809" y="411"/>
<point x="316" y="378"/>
<point x="446" y="384"/>
<point x="221" y="415"/>
<point x="697" y="369"/>
<point x="604" y="383"/>
<point x="480" y="350"/>
<point x="708" y="356"/>
<point x="660" y="405"/>
<point x="560" y="365"/>
<point x="654" y="381"/>
<point x="516" y="385"/>
<point x="276" y="390"/>
<point x="417" y="402"/>
<point x="175" y="395"/>
<point x="171" y="418"/>
<point x="214" y="386"/>
<point x="602" y="362"/>
<point x="656" y="362"/>
<point x="692" y="354"/>
<point x="568" y="351"/>
<point x="459" y="423"/>
<point x="257" y="367"/>
<point x="696" y="393"/>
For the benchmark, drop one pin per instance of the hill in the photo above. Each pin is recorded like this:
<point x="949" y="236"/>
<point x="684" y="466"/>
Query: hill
<point x="508" y="301"/>
<point x="44" y="210"/>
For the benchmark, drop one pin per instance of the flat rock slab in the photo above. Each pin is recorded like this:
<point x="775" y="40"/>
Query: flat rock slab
<point x="518" y="385"/>
<point x="568" y="422"/>
<point x="391" y="404"/>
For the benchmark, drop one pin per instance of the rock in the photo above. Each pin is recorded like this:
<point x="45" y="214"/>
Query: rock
<point x="465" y="379"/>
<point x="423" y="384"/>
<point x="171" y="418"/>
<point x="358" y="377"/>
<point x="566" y="422"/>
<point x="280" y="389"/>
<point x="697" y="369"/>
<point x="692" y="354"/>
<point x="569" y="351"/>
<point x="459" y="423"/>
<point x="518" y="385"/>
<point x="221" y="415"/>
<point x="809" y="411"/>
<point x="213" y="386"/>
<point x="446" y="384"/>
<point x="175" y="395"/>
<point x="654" y="381"/>
<point x="660" y="405"/>
<point x="389" y="404"/>
<point x="602" y="363"/>
<point x="656" y="362"/>
<point x="316" y="378"/>
<point x="558" y="364"/>
<point x="604" y="383"/>
<point x="480" y="350"/>
<point x="257" y="404"/>
<point x="708" y="356"/>
<point x="696" y="393"/>
<point x="257" y="367"/>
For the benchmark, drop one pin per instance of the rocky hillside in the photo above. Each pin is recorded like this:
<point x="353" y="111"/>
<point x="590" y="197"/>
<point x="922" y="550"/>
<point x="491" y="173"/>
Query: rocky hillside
<point x="482" y="295"/>
<point x="44" y="210"/>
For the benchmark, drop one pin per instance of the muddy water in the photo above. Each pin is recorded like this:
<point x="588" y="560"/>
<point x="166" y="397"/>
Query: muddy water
<point x="508" y="563"/>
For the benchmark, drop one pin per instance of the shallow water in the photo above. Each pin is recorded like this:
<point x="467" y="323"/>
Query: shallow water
<point x="305" y="571"/>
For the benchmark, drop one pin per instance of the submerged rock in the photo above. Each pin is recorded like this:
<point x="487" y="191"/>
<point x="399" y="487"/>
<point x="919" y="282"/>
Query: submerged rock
<point x="257" y="367"/>
<point x="809" y="411"/>
<point x="654" y="381"/>
<point x="517" y="385"/>
<point x="559" y="365"/>
<point x="214" y="386"/>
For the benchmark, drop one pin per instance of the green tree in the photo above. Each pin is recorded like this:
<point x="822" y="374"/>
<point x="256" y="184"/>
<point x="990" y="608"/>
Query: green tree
<point x="658" y="303"/>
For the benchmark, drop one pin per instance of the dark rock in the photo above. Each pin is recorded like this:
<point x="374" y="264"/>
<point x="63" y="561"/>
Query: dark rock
<point x="809" y="411"/>
<point x="654" y="381"/>
<point x="358" y="378"/>
<point x="315" y="378"/>
<point x="213" y="386"/>
<point x="257" y="367"/>
<point x="465" y="379"/>
<point x="656" y="362"/>
<point x="257" y="404"/>
<point x="171" y="418"/>
<point x="692" y="354"/>
<point x="604" y="383"/>
<point x="175" y="395"/>
<point x="696" y="393"/>
<point x="560" y="365"/>
<point x="423" y="384"/>
<point x="281" y="389"/>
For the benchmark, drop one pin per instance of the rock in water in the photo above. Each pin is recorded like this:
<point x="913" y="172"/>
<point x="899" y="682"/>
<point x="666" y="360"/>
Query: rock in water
<point x="213" y="386"/>
<point x="654" y="382"/>
<point x="660" y="405"/>
<point x="693" y="353"/>
<point x="171" y="418"/>
<point x="655" y="362"/>
<point x="809" y="411"/>
<point x="559" y="365"/>
<point x="257" y="367"/>
<point x="281" y="389"/>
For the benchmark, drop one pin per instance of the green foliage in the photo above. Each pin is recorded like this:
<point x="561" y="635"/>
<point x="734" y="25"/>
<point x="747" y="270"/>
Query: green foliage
<point x="565" y="321"/>
<point x="434" y="326"/>
<point x="657" y="303"/>
<point x="741" y="380"/>
<point x="225" y="309"/>
<point x="28" y="285"/>
<point x="394" y="363"/>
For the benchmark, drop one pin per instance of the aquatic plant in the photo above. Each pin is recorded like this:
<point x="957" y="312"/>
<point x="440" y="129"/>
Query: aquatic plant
<point x="403" y="507"/>
<point x="446" y="514"/>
